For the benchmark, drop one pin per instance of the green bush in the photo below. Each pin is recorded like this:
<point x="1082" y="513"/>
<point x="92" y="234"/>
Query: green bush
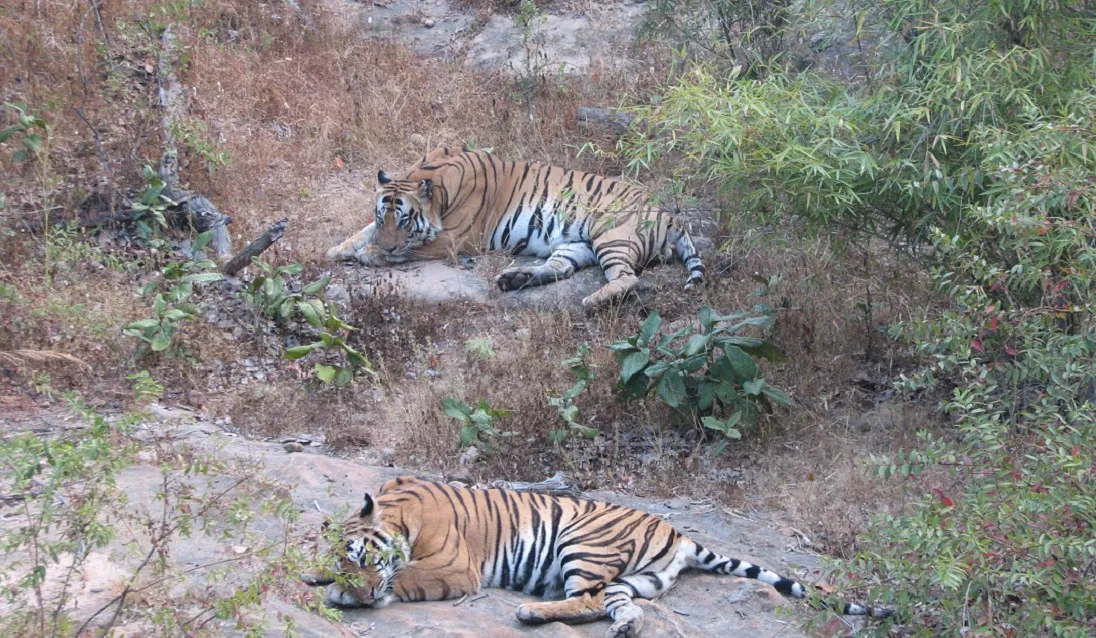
<point x="972" y="137"/>
<point x="708" y="374"/>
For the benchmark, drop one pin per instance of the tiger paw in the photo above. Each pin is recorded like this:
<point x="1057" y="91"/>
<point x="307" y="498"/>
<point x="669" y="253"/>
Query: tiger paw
<point x="529" y="615"/>
<point x="514" y="278"/>
<point x="624" y="629"/>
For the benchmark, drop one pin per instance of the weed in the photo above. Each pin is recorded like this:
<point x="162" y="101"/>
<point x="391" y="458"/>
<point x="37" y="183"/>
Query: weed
<point x="173" y="306"/>
<point x="145" y="388"/>
<point x="325" y="320"/>
<point x="268" y="294"/>
<point x="481" y="348"/>
<point x="478" y="423"/>
<point x="565" y="403"/>
<point x="31" y="128"/>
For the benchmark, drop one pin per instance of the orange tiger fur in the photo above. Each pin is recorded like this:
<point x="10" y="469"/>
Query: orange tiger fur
<point x="420" y="540"/>
<point x="466" y="202"/>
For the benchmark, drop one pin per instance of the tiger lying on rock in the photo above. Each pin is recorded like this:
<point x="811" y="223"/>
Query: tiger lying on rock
<point x="420" y="540"/>
<point x="465" y="202"/>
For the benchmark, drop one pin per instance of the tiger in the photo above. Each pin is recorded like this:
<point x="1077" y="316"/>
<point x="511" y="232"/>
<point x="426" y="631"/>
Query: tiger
<point x="420" y="540"/>
<point x="463" y="202"/>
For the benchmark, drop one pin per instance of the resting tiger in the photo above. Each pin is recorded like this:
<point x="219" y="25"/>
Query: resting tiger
<point x="465" y="202"/>
<point x="420" y="540"/>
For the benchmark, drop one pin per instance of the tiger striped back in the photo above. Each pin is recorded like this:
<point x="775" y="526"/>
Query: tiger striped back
<point x="466" y="202"/>
<point x="420" y="540"/>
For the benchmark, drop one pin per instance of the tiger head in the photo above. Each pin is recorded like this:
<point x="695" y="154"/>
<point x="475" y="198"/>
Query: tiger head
<point x="405" y="216"/>
<point x="367" y="559"/>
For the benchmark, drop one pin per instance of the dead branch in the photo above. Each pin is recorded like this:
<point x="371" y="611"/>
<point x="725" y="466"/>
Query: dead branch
<point x="243" y="258"/>
<point x="557" y="485"/>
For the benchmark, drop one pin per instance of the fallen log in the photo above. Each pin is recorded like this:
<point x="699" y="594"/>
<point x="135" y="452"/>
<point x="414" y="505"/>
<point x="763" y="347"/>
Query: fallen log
<point x="619" y="121"/>
<point x="243" y="258"/>
<point x="557" y="485"/>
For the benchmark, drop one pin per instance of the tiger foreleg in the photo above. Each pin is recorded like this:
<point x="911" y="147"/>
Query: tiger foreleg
<point x="561" y="264"/>
<point x="572" y="611"/>
<point x="361" y="247"/>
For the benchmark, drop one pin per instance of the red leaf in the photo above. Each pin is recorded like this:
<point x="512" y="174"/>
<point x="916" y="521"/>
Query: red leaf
<point x="993" y="324"/>
<point x="977" y="345"/>
<point x="948" y="502"/>
<point x="1009" y="350"/>
<point x="1076" y="450"/>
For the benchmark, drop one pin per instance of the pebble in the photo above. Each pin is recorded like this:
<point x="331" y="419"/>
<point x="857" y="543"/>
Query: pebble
<point x="428" y="23"/>
<point x="293" y="446"/>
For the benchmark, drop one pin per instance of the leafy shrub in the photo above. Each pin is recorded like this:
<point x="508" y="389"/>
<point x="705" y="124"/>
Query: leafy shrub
<point x="565" y="403"/>
<point x="27" y="126"/>
<point x="173" y="306"/>
<point x="325" y="320"/>
<point x="709" y="370"/>
<point x="270" y="297"/>
<point x="973" y="137"/>
<point x="479" y="423"/>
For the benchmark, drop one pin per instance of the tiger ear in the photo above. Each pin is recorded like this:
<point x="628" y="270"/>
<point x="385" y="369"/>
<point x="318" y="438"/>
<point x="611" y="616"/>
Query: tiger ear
<point x="426" y="189"/>
<point x="383" y="177"/>
<point x="367" y="507"/>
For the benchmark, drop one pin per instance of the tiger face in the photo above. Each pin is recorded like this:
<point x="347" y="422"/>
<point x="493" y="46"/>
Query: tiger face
<point x="366" y="563"/>
<point x="404" y="216"/>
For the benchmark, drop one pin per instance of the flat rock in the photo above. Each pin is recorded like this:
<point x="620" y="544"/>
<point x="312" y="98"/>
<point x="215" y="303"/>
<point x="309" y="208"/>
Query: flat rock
<point x="700" y="605"/>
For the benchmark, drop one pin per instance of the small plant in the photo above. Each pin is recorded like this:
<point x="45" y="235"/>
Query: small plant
<point x="706" y="372"/>
<point x="325" y="319"/>
<point x="479" y="423"/>
<point x="151" y="209"/>
<point x="173" y="306"/>
<point x="269" y="294"/>
<point x="482" y="349"/>
<point x="145" y="388"/>
<point x="195" y="135"/>
<point x="565" y="403"/>
<point x="31" y="127"/>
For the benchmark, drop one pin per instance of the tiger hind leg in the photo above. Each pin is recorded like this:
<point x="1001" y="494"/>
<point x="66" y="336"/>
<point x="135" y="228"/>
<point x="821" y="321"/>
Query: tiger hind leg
<point x="561" y="264"/>
<point x="617" y="258"/>
<point x="689" y="256"/>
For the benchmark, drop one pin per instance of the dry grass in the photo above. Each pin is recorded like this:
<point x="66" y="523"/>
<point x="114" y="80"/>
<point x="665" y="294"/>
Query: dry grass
<point x="307" y="117"/>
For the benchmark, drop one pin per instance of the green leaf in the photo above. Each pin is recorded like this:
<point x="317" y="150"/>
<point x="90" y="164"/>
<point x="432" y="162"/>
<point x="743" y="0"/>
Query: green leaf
<point x="201" y="241"/>
<point x="778" y="396"/>
<point x="696" y="344"/>
<point x="656" y="369"/>
<point x="143" y="324"/>
<point x="325" y="373"/>
<point x="345" y="376"/>
<point x="633" y="363"/>
<point x="33" y="143"/>
<point x="291" y="269"/>
<point x="316" y="287"/>
<point x="160" y="342"/>
<point x="202" y="277"/>
<point x="469" y="434"/>
<point x="713" y="423"/>
<point x="19" y="156"/>
<point x="310" y="313"/>
<point x="753" y="388"/>
<point x="743" y="365"/>
<point x="587" y="432"/>
<point x="482" y="417"/>
<point x="299" y="351"/>
<point x="637" y="386"/>
<point x="175" y="314"/>
<point x="8" y="132"/>
<point x="705" y="396"/>
<point x="557" y="436"/>
<point x="649" y="328"/>
<point x="457" y="409"/>
<point x="706" y="321"/>
<point x="672" y="388"/>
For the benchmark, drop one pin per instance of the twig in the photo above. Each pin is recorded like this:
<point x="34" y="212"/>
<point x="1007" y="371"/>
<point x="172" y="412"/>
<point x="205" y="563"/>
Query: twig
<point x="243" y="258"/>
<point x="462" y="599"/>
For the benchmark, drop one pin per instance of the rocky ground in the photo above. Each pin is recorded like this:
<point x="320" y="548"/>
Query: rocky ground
<point x="317" y="484"/>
